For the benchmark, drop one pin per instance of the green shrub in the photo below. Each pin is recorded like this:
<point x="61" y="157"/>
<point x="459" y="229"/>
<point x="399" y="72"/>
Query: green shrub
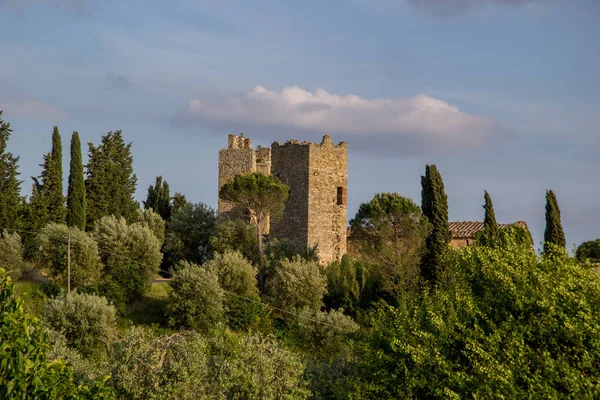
<point x="253" y="367"/>
<point x="85" y="263"/>
<point x="296" y="284"/>
<point x="87" y="321"/>
<point x="130" y="254"/>
<point x="11" y="253"/>
<point x="324" y="334"/>
<point x="25" y="370"/>
<point x="196" y="300"/>
<point x="154" y="222"/>
<point x="146" y="366"/>
<point x="589" y="251"/>
<point x="503" y="324"/>
<point x="234" y="234"/>
<point x="235" y="273"/>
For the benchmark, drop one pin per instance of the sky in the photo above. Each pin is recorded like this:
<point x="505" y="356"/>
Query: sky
<point x="502" y="95"/>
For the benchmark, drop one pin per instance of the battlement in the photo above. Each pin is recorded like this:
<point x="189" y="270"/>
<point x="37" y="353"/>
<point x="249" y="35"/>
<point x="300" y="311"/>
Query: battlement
<point x="238" y="142"/>
<point x="326" y="142"/>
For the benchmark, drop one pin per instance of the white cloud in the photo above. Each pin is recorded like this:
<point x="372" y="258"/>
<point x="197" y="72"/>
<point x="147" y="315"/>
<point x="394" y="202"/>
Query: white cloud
<point x="422" y="119"/>
<point x="31" y="108"/>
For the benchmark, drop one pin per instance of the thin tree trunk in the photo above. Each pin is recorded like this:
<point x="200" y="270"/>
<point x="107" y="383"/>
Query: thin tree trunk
<point x="261" y="274"/>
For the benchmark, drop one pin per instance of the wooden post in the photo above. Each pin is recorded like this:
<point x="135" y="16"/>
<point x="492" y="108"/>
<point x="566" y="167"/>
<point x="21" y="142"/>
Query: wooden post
<point x="69" y="263"/>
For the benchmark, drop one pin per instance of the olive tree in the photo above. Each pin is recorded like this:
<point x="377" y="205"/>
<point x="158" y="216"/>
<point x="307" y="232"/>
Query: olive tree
<point x="196" y="300"/>
<point x="296" y="284"/>
<point x="11" y="253"/>
<point x="53" y="241"/>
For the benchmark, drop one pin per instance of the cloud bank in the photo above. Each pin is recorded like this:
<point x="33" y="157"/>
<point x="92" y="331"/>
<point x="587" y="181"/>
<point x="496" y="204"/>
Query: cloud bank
<point x="452" y="7"/>
<point x="419" y="123"/>
<point x="31" y="108"/>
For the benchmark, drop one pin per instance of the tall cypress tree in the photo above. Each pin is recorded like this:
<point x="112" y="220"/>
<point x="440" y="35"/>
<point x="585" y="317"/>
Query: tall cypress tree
<point x="434" y="204"/>
<point x="52" y="176"/>
<point x="159" y="198"/>
<point x="10" y="185"/>
<point x="489" y="236"/>
<point x="76" y="201"/>
<point x="110" y="183"/>
<point x="553" y="234"/>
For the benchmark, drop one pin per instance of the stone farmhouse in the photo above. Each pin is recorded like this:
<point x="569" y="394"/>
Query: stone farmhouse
<point x="317" y="174"/>
<point x="465" y="233"/>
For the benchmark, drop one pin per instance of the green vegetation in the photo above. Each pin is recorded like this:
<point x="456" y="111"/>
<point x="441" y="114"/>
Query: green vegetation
<point x="257" y="197"/>
<point x="76" y="201"/>
<point x="435" y="208"/>
<point x="490" y="234"/>
<point x="589" y="251"/>
<point x="159" y="199"/>
<point x="554" y="237"/>
<point x="111" y="182"/>
<point x="10" y="186"/>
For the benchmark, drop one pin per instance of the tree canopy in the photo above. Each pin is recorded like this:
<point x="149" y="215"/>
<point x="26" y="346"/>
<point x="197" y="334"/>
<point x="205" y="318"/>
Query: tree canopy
<point x="10" y="185"/>
<point x="76" y="201"/>
<point x="554" y="237"/>
<point x="258" y="197"/>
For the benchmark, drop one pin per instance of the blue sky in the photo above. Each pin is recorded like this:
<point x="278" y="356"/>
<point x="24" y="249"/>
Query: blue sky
<point x="502" y="95"/>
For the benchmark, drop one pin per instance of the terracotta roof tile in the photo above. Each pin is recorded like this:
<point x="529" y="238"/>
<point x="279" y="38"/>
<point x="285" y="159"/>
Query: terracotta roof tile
<point x="468" y="229"/>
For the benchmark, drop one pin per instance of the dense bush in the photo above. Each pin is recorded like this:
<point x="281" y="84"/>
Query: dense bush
<point x="25" y="370"/>
<point x="297" y="284"/>
<point x="88" y="322"/>
<point x="324" y="334"/>
<point x="85" y="263"/>
<point x="235" y="273"/>
<point x="589" y="251"/>
<point x="189" y="232"/>
<point x="186" y="365"/>
<point x="351" y="284"/>
<point x="196" y="300"/>
<point x="235" y="234"/>
<point x="11" y="254"/>
<point x="504" y="324"/>
<point x="145" y="366"/>
<point x="154" y="222"/>
<point x="130" y="254"/>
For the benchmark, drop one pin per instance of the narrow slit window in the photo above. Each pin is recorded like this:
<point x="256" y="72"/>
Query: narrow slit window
<point x="341" y="196"/>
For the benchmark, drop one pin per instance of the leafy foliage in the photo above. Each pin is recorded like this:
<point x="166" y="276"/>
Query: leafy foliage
<point x="25" y="370"/>
<point x="154" y="222"/>
<point x="189" y="232"/>
<point x="235" y="235"/>
<point x="76" y="200"/>
<point x="11" y="254"/>
<point x="490" y="234"/>
<point x="85" y="261"/>
<point x="389" y="232"/>
<point x="435" y="208"/>
<point x="110" y="184"/>
<point x="130" y="254"/>
<point x="235" y="273"/>
<point x="324" y="333"/>
<point x="589" y="250"/>
<point x="186" y="365"/>
<point x="505" y="324"/>
<point x="258" y="197"/>
<point x="296" y="284"/>
<point x="87" y="321"/>
<point x="159" y="199"/>
<point x="351" y="285"/>
<point x="196" y="300"/>
<point x="553" y="235"/>
<point x="10" y="186"/>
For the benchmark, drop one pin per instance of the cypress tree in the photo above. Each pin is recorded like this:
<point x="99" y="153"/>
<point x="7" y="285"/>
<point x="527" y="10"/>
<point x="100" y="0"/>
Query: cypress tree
<point x="52" y="186"/>
<point x="159" y="198"/>
<point x="434" y="204"/>
<point x="76" y="201"/>
<point x="489" y="236"/>
<point x="110" y="184"/>
<point x="10" y="185"/>
<point x="553" y="235"/>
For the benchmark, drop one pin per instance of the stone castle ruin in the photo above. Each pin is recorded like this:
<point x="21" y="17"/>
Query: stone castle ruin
<point x="317" y="174"/>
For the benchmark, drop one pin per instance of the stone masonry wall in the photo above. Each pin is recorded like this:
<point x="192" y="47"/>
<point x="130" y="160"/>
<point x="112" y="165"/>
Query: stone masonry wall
<point x="289" y="163"/>
<point x="238" y="158"/>
<point x="327" y="207"/>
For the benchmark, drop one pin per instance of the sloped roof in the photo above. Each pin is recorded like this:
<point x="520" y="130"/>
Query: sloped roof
<point x="468" y="229"/>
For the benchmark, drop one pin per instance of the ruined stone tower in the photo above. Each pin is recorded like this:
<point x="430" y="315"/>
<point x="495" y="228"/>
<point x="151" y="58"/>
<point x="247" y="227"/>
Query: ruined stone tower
<point x="317" y="175"/>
